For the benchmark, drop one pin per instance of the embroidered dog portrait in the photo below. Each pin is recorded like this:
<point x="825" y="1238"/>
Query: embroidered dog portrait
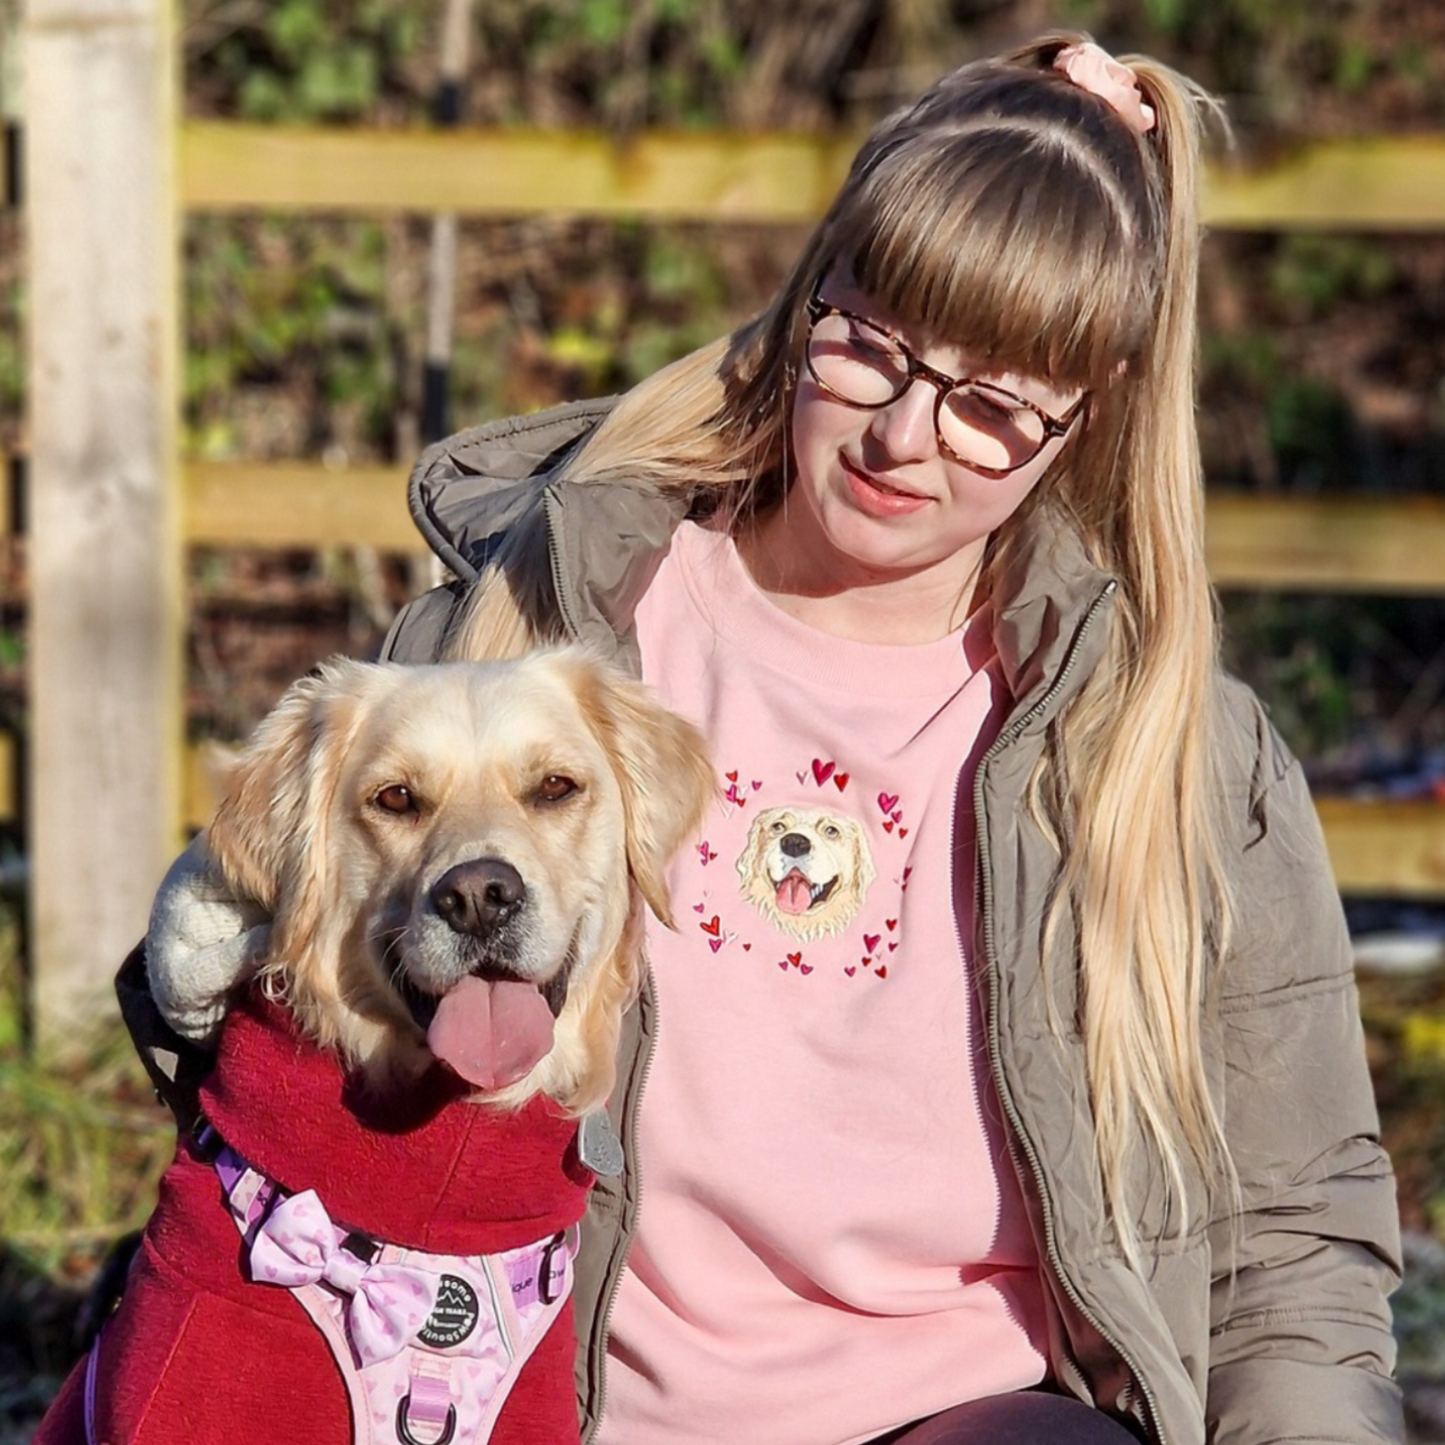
<point x="806" y="870"/>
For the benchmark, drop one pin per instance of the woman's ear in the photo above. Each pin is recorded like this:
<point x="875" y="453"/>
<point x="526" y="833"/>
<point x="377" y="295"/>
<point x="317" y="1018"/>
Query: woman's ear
<point x="662" y="767"/>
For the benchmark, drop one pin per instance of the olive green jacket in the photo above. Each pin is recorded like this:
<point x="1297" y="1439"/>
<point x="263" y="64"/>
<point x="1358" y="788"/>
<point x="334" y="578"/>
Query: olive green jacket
<point x="1269" y="1323"/>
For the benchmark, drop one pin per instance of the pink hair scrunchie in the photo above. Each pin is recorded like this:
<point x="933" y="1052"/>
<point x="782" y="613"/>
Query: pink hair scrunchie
<point x="1092" y="68"/>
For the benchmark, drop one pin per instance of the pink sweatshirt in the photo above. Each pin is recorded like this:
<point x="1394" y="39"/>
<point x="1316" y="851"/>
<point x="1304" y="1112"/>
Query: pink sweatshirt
<point x="831" y="1237"/>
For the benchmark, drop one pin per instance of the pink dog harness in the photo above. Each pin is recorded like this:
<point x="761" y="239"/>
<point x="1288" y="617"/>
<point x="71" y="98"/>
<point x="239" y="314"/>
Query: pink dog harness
<point x="429" y="1345"/>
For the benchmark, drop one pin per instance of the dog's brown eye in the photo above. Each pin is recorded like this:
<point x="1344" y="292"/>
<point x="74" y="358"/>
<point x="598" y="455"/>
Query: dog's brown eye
<point x="554" y="787"/>
<point x="397" y="798"/>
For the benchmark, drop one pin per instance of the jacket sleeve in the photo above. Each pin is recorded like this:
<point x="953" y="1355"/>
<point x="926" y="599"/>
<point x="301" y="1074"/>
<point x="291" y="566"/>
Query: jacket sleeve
<point x="1301" y="1346"/>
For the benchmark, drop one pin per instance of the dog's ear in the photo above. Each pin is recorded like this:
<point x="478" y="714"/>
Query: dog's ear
<point x="662" y="766"/>
<point x="269" y="834"/>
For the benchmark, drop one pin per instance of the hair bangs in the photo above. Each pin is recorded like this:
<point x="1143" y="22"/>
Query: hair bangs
<point x="997" y="238"/>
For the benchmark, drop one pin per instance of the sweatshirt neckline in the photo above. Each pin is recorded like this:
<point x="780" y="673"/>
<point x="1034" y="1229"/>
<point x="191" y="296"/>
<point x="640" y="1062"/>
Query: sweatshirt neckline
<point x="723" y="592"/>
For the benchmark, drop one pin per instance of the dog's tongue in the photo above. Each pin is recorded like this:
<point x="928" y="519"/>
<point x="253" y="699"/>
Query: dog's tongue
<point x="491" y="1031"/>
<point x="795" y="895"/>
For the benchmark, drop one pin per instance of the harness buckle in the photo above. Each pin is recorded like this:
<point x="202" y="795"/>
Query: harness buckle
<point x="544" y="1267"/>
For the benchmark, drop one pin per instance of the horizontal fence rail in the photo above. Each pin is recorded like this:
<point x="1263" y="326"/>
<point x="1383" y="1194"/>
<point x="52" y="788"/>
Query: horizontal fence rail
<point x="1290" y="543"/>
<point x="1326" y="544"/>
<point x="1373" y="184"/>
<point x="1375" y="846"/>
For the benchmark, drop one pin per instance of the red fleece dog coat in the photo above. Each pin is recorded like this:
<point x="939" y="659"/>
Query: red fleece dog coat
<point x="198" y="1354"/>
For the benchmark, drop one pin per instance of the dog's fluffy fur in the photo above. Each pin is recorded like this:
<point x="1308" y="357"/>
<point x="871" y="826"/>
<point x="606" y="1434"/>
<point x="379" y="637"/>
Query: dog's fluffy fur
<point x="827" y="849"/>
<point x="310" y="827"/>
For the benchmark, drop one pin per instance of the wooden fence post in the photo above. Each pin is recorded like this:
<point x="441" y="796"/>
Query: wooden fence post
<point x="100" y="119"/>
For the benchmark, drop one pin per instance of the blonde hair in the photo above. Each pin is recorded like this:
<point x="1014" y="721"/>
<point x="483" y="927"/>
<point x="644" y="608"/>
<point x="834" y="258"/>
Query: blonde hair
<point x="1017" y="213"/>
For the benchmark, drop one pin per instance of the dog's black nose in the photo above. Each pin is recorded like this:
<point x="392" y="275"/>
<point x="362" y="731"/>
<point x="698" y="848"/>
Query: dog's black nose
<point x="795" y="845"/>
<point x="479" y="896"/>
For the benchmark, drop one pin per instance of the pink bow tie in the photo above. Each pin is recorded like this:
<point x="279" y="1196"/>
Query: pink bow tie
<point x="299" y="1245"/>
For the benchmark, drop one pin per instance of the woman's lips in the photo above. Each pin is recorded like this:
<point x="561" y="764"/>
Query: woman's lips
<point x="879" y="498"/>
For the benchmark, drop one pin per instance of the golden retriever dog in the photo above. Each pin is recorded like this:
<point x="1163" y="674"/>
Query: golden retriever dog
<point x="806" y="870"/>
<point x="454" y="855"/>
<point x="456" y="858"/>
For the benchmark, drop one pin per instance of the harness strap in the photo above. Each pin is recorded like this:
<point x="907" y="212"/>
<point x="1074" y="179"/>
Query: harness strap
<point x="446" y="1375"/>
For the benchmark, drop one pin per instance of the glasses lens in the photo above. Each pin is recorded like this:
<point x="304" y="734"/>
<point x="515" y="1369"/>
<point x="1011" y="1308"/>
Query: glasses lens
<point x="987" y="428"/>
<point x="855" y="361"/>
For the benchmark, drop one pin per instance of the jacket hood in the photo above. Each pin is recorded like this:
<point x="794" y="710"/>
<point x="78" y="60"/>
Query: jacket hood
<point x="604" y="542"/>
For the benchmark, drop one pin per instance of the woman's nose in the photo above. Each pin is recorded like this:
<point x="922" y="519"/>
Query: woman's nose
<point x="905" y="427"/>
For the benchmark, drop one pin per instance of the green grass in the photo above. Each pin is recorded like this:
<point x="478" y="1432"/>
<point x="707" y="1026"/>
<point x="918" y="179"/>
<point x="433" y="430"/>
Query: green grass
<point x="81" y="1147"/>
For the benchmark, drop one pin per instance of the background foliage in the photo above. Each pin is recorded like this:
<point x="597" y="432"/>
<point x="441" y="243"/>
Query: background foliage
<point x="1323" y="369"/>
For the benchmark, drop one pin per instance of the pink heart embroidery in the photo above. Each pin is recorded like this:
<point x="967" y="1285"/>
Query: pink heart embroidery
<point x="757" y="783"/>
<point x="849" y="971"/>
<point x="715" y="944"/>
<point x="698" y="907"/>
<point x="898" y="816"/>
<point x="887" y="802"/>
<point x="892" y="947"/>
<point x="870" y="941"/>
<point x="783" y="964"/>
<point x="805" y="968"/>
<point x="822" y="771"/>
<point x="801" y="777"/>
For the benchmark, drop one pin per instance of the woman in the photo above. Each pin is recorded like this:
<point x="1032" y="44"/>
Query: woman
<point x="1010" y="1057"/>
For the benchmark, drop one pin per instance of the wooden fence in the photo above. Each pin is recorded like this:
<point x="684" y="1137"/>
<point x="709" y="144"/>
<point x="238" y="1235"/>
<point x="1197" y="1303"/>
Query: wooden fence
<point x="115" y="781"/>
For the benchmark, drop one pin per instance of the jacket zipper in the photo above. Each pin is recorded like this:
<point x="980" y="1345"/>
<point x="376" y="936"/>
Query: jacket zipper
<point x="1017" y="1138"/>
<point x="630" y="1142"/>
<point x="554" y="563"/>
<point x="650" y="1047"/>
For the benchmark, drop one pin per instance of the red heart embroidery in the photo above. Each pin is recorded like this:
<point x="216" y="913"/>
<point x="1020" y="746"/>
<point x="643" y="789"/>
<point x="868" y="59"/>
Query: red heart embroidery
<point x="903" y="832"/>
<point x="891" y="924"/>
<point x="732" y="777"/>
<point x="887" y="801"/>
<point x="907" y="871"/>
<point x="747" y="948"/>
<point x="805" y="968"/>
<point x="888" y="826"/>
<point x="870" y="941"/>
<point x="841" y="781"/>
<point x="880" y="972"/>
<point x="867" y="963"/>
<point x="849" y="971"/>
<point x="892" y="947"/>
<point x="822" y="771"/>
<point x="795" y="959"/>
<point x="711" y="928"/>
